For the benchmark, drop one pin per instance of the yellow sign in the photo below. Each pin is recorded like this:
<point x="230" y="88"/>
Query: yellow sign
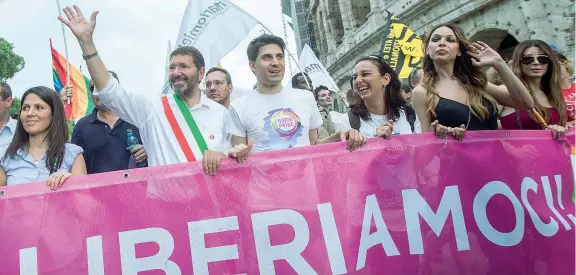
<point x="402" y="49"/>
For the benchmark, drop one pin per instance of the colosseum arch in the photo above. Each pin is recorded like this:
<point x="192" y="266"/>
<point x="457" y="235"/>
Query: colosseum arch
<point x="498" y="39"/>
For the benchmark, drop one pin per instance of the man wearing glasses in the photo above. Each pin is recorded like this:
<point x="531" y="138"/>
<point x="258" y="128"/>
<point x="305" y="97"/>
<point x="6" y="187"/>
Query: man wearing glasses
<point x="219" y="86"/>
<point x="104" y="138"/>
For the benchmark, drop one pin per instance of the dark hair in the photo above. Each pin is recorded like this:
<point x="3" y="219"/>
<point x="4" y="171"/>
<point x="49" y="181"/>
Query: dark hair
<point x="319" y="89"/>
<point x="263" y="40"/>
<point x="405" y="88"/>
<point x="393" y="101"/>
<point x="190" y="51"/>
<point x="413" y="75"/>
<point x="561" y="57"/>
<point x="57" y="130"/>
<point x="296" y="76"/>
<point x="216" y="69"/>
<point x="6" y="90"/>
<point x="91" y="84"/>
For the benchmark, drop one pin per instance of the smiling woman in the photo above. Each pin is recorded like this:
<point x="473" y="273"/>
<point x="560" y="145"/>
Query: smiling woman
<point x="39" y="150"/>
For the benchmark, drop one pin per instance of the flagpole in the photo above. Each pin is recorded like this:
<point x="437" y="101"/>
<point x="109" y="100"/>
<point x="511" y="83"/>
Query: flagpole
<point x="65" y="49"/>
<point x="386" y="33"/>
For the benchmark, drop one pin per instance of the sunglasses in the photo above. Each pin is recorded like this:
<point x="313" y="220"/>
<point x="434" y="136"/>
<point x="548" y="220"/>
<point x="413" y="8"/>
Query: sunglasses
<point x="542" y="59"/>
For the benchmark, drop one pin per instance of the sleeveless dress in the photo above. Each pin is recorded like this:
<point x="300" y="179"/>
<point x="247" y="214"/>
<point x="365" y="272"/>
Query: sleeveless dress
<point x="511" y="122"/>
<point x="451" y="113"/>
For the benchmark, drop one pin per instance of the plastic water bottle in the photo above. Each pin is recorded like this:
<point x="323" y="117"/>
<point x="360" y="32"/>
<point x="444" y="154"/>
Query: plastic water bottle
<point x="132" y="143"/>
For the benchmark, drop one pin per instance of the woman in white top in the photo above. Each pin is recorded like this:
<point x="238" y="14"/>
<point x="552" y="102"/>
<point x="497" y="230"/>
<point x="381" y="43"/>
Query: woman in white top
<point x="380" y="110"/>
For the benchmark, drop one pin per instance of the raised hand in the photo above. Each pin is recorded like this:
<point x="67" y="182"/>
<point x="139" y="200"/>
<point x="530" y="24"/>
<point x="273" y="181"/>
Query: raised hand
<point x="80" y="27"/>
<point x="66" y="93"/>
<point x="482" y="55"/>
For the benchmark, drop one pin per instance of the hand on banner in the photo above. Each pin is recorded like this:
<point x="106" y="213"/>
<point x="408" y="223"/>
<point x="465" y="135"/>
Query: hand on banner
<point x="211" y="162"/>
<point x="240" y="152"/>
<point x="140" y="153"/>
<point x="355" y="139"/>
<point x="385" y="130"/>
<point x="557" y="131"/>
<point x="66" y="93"/>
<point x="482" y="55"/>
<point x="82" y="29"/>
<point x="56" y="180"/>
<point x="443" y="131"/>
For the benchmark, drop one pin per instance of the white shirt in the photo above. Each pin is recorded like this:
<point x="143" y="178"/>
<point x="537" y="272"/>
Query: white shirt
<point x="368" y="127"/>
<point x="274" y="121"/>
<point x="157" y="135"/>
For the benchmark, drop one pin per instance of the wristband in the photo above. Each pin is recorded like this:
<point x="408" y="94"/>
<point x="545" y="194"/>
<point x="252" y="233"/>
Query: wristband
<point x="88" y="56"/>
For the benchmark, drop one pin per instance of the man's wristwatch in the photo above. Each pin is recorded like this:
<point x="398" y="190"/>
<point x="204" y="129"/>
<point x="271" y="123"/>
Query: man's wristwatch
<point x="88" y="56"/>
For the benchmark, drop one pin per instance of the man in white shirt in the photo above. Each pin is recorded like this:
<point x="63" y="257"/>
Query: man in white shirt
<point x="7" y="124"/>
<point x="275" y="117"/>
<point x="182" y="127"/>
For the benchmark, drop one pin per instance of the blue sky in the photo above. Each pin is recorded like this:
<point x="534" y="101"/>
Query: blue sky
<point x="131" y="36"/>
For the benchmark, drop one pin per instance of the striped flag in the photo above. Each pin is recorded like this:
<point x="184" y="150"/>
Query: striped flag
<point x="81" y="102"/>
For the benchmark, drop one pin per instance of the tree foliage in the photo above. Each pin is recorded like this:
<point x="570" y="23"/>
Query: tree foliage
<point x="14" y="110"/>
<point x="11" y="63"/>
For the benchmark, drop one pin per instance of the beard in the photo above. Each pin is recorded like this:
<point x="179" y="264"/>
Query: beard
<point x="184" y="89"/>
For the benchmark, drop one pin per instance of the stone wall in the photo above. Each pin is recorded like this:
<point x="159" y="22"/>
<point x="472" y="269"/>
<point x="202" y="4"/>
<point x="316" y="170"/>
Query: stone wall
<point x="354" y="28"/>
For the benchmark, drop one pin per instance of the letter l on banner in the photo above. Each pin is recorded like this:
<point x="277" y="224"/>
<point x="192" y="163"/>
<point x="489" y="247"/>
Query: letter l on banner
<point x="214" y="28"/>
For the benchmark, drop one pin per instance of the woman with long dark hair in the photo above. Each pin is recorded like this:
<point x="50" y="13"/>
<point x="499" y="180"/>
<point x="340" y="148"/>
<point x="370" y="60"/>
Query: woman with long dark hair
<point x="455" y="95"/>
<point x="39" y="150"/>
<point x="380" y="109"/>
<point x="536" y="65"/>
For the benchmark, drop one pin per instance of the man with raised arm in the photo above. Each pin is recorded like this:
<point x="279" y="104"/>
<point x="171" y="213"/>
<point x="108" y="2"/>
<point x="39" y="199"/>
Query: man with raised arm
<point x="186" y="126"/>
<point x="276" y="117"/>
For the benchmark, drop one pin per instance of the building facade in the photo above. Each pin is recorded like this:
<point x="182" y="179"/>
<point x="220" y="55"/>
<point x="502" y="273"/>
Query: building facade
<point x="345" y="30"/>
<point x="301" y="23"/>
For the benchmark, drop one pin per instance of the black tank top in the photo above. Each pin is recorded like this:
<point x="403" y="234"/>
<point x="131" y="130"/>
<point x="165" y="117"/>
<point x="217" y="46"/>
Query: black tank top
<point x="452" y="113"/>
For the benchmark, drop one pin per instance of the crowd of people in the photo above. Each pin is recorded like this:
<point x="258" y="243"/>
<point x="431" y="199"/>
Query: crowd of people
<point x="462" y="86"/>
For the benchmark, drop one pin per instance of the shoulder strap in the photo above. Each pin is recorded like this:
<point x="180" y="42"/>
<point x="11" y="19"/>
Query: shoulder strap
<point x="518" y="121"/>
<point x="410" y="115"/>
<point x="354" y="120"/>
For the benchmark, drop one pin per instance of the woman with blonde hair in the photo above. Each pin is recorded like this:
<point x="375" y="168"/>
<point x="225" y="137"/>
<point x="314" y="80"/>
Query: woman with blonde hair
<point x="535" y="63"/>
<point x="455" y="95"/>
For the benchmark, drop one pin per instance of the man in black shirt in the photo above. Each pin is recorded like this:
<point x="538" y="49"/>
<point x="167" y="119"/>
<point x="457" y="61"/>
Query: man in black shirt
<point x="104" y="138"/>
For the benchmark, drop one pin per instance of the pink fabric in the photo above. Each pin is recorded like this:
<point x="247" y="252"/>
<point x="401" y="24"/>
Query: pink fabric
<point x="297" y="198"/>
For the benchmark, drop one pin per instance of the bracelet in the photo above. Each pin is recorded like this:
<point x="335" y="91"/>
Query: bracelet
<point x="88" y="56"/>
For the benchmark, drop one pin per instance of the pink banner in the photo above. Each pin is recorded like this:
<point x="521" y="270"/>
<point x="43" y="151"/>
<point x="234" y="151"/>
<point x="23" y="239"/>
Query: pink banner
<point x="496" y="203"/>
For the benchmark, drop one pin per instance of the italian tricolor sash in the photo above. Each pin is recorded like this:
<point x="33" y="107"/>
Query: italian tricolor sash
<point x="189" y="138"/>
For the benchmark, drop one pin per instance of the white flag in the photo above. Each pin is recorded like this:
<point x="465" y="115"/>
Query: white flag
<point x="167" y="89"/>
<point x="310" y="64"/>
<point x="215" y="27"/>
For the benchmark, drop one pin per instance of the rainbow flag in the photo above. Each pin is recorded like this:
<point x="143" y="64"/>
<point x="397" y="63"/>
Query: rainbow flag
<point x="81" y="103"/>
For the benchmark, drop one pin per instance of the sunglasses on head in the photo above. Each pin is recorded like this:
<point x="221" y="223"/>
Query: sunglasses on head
<point x="542" y="59"/>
